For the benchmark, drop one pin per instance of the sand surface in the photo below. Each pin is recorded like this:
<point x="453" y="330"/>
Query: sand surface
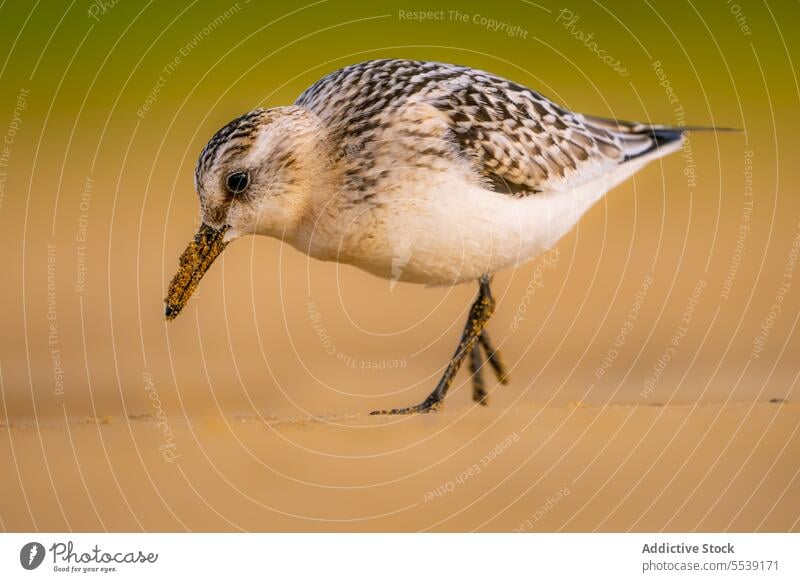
<point x="529" y="468"/>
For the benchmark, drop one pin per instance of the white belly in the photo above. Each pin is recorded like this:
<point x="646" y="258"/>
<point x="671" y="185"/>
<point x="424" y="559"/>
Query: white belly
<point x="449" y="231"/>
<point x="437" y="228"/>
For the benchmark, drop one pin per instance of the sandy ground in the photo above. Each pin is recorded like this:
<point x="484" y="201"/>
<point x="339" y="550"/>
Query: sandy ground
<point x="527" y="468"/>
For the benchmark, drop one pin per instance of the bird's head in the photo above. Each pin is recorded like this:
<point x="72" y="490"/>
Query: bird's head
<point x="254" y="176"/>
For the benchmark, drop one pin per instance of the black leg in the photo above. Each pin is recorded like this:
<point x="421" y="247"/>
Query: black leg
<point x="476" y="367"/>
<point x="493" y="355"/>
<point x="479" y="393"/>
<point x="479" y="315"/>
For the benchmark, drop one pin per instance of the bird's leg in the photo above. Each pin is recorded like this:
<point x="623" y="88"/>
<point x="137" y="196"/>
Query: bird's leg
<point x="476" y="362"/>
<point x="493" y="356"/>
<point x="479" y="393"/>
<point x="479" y="315"/>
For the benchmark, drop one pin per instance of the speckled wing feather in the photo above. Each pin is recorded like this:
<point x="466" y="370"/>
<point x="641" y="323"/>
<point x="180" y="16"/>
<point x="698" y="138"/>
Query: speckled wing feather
<point x="517" y="141"/>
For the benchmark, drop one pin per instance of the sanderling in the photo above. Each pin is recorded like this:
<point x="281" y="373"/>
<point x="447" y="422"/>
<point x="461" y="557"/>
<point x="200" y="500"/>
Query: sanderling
<point x="415" y="171"/>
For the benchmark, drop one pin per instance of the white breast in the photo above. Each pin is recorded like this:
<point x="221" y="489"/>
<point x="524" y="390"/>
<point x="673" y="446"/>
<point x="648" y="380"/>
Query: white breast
<point x="447" y="231"/>
<point x="439" y="229"/>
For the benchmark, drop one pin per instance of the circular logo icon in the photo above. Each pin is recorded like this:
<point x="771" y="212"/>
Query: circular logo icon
<point x="31" y="555"/>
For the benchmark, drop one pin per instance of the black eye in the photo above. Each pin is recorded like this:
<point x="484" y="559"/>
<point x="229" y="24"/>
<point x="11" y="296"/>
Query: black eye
<point x="237" y="182"/>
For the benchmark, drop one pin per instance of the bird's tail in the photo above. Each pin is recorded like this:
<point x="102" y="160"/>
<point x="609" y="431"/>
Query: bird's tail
<point x="641" y="140"/>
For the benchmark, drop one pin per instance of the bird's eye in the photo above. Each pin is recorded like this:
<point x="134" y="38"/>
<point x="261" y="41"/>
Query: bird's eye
<point x="237" y="182"/>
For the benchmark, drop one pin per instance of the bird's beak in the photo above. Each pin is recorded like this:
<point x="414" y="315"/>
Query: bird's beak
<point x="207" y="245"/>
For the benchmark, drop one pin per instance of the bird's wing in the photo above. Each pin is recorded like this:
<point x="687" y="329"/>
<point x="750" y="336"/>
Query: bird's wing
<point x="524" y="143"/>
<point x="517" y="141"/>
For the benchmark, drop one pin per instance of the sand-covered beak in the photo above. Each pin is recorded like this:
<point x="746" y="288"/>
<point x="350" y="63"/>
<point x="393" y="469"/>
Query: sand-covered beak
<point x="207" y="245"/>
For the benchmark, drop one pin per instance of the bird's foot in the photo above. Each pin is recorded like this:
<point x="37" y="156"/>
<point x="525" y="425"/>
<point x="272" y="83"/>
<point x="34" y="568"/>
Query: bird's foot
<point x="480" y="395"/>
<point x="473" y="339"/>
<point x="429" y="405"/>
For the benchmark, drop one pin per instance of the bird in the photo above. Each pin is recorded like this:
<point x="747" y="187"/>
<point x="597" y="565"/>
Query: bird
<point x="414" y="171"/>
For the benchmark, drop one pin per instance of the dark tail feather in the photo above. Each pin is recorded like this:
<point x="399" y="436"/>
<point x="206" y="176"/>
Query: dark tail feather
<point x="641" y="139"/>
<point x="658" y="137"/>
